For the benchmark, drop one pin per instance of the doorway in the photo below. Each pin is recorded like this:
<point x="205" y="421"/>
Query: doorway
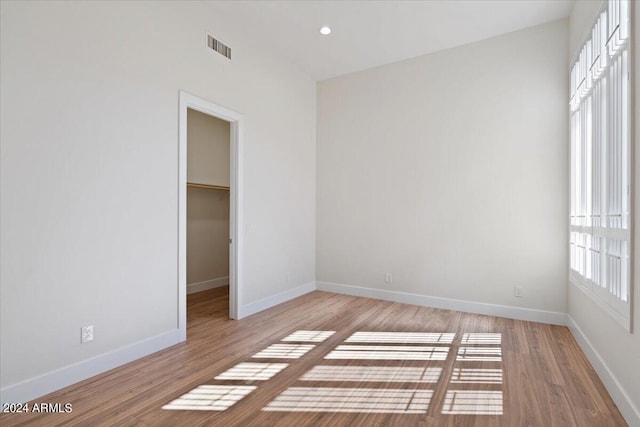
<point x="191" y="106"/>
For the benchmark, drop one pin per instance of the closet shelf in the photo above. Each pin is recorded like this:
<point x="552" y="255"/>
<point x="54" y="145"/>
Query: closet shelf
<point x="207" y="186"/>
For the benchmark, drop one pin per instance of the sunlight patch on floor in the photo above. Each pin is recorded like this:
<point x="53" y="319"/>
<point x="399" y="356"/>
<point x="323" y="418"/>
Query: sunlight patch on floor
<point x="366" y="347"/>
<point x="402" y="337"/>
<point x="481" y="338"/>
<point x="373" y="374"/>
<point x="308" y="336"/>
<point x="476" y="376"/>
<point x="284" y="351"/>
<point x="480" y="354"/>
<point x="210" y="398"/>
<point x="388" y="352"/>
<point x="252" y="371"/>
<point x="472" y="402"/>
<point x="309" y="399"/>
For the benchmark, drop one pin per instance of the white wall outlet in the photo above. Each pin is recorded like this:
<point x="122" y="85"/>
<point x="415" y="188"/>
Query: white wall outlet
<point x="518" y="291"/>
<point x="388" y="278"/>
<point x="86" y="334"/>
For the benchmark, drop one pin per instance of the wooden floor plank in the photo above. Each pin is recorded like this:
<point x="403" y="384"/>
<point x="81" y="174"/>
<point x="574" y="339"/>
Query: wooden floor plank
<point x="546" y="378"/>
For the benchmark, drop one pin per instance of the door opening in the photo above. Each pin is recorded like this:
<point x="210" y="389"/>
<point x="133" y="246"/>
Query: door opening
<point x="196" y="108"/>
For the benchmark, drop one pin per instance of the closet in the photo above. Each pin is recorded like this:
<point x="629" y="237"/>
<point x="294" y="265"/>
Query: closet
<point x="208" y="147"/>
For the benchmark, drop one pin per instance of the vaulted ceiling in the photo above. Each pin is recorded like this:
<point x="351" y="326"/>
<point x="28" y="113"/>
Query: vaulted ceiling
<point x="367" y="34"/>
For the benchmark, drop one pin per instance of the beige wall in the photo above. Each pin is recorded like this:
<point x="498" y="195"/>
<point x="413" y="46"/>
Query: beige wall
<point x="207" y="149"/>
<point x="449" y="171"/>
<point x="208" y="143"/>
<point x="618" y="349"/>
<point x="89" y="172"/>
<point x="207" y="235"/>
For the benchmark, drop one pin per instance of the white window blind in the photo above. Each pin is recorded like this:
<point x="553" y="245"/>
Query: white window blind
<point x="600" y="164"/>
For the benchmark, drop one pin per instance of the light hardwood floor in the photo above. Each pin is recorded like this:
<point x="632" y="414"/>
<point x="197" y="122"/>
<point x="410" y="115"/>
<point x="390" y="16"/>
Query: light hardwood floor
<point x="429" y="367"/>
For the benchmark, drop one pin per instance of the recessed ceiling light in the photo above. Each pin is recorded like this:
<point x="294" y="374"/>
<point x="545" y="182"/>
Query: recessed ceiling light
<point x="325" y="31"/>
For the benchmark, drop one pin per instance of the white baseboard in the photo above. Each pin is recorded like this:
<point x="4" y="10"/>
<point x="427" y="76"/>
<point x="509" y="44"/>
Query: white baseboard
<point x="628" y="410"/>
<point x="71" y="374"/>
<point x="55" y="380"/>
<point x="207" y="284"/>
<point x="263" y="304"/>
<point x="532" y="315"/>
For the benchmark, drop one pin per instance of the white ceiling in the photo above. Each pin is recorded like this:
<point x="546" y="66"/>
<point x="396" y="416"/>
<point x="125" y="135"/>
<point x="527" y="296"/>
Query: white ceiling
<point x="367" y="34"/>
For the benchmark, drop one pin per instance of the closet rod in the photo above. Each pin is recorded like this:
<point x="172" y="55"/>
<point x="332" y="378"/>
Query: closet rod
<point x="207" y="186"/>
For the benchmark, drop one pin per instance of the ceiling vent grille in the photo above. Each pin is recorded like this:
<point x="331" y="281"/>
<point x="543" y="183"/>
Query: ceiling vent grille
<point x="218" y="46"/>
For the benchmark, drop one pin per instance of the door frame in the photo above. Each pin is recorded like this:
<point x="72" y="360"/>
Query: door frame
<point x="236" y="124"/>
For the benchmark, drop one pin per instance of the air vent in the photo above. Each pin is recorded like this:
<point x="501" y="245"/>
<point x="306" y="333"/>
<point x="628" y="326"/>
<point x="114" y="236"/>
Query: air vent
<point x="218" y="46"/>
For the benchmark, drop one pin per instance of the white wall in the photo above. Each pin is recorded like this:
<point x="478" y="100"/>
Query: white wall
<point x="449" y="171"/>
<point x="89" y="171"/>
<point x="618" y="349"/>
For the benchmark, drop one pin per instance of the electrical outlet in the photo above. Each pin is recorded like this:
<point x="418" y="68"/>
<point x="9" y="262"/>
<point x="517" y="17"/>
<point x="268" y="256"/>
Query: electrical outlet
<point x="518" y="291"/>
<point x="86" y="334"/>
<point x="388" y="278"/>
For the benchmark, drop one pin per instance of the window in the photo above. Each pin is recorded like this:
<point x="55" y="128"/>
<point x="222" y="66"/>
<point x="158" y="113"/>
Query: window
<point x="600" y="164"/>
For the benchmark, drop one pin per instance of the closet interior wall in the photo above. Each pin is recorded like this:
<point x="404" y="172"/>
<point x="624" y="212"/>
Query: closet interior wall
<point x="208" y="142"/>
